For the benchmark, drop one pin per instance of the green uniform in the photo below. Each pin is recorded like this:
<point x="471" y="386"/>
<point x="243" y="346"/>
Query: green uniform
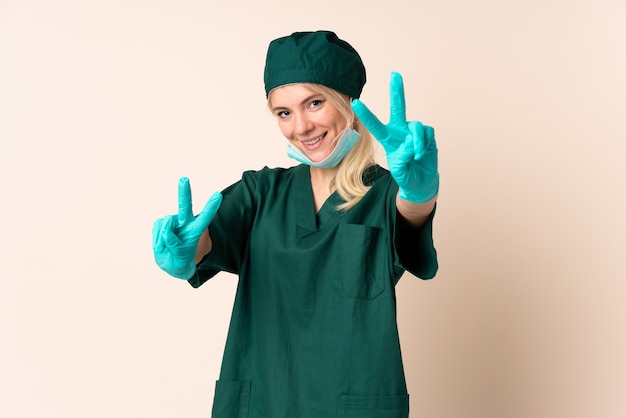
<point x="313" y="331"/>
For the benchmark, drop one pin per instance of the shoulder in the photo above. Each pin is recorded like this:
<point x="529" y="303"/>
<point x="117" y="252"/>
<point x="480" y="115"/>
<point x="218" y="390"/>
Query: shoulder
<point x="377" y="175"/>
<point x="270" y="175"/>
<point x="266" y="178"/>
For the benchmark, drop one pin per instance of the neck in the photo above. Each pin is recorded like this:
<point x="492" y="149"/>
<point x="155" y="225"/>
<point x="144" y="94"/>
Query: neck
<point x="322" y="183"/>
<point x="322" y="176"/>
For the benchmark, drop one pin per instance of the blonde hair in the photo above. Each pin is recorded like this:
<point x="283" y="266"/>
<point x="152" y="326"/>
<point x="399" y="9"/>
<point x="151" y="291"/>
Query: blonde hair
<point x="349" y="177"/>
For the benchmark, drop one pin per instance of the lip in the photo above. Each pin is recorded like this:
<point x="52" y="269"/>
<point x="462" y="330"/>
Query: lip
<point x="313" y="143"/>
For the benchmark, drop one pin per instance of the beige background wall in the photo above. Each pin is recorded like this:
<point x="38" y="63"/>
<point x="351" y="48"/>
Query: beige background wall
<point x="104" y="104"/>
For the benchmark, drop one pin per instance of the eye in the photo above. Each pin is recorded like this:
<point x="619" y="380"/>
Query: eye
<point x="316" y="103"/>
<point x="282" y="114"/>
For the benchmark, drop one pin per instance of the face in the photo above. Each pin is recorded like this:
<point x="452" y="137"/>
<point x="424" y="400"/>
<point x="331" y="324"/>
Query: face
<point x="307" y="119"/>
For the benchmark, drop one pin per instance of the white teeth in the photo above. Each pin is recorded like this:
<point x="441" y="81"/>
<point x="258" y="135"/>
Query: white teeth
<point x="313" y="141"/>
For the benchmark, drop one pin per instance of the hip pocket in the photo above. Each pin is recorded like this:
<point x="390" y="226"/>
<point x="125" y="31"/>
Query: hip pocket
<point x="373" y="406"/>
<point x="232" y="399"/>
<point x="360" y="257"/>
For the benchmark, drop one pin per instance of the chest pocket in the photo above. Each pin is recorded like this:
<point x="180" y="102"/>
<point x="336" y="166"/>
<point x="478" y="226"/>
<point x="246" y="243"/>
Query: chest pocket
<point x="360" y="256"/>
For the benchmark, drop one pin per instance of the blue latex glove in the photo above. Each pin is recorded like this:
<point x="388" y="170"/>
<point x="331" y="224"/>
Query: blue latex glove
<point x="410" y="146"/>
<point x="175" y="237"/>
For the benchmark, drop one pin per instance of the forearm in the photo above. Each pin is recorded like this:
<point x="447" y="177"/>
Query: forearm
<point x="415" y="214"/>
<point x="204" y="246"/>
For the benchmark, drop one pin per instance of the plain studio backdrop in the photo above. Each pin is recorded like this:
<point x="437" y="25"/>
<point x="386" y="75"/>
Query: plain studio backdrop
<point x="105" y="104"/>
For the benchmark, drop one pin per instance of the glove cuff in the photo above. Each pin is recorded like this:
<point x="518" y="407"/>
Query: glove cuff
<point x="425" y="194"/>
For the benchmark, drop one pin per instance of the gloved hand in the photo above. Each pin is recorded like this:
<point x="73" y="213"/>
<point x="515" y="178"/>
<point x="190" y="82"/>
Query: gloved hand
<point x="175" y="237"/>
<point x="410" y="146"/>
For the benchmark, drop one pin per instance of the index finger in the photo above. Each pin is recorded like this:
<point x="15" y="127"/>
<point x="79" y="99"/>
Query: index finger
<point x="396" y="93"/>
<point x="185" y="212"/>
<point x="371" y="122"/>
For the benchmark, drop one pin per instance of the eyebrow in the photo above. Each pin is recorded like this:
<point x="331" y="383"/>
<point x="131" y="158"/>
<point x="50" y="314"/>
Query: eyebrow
<point x="307" y="99"/>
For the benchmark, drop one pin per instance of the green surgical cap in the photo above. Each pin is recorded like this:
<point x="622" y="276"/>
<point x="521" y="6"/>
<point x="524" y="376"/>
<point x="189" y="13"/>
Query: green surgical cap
<point x="314" y="57"/>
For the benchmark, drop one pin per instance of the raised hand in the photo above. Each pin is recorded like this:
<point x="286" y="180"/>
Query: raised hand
<point x="175" y="237"/>
<point x="410" y="146"/>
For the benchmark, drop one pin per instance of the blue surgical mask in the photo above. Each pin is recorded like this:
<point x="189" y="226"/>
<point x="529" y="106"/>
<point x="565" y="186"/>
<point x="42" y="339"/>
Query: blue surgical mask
<point x="346" y="141"/>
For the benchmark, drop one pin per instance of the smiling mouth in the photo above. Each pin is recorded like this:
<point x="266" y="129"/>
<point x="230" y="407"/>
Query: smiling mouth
<point x="314" y="141"/>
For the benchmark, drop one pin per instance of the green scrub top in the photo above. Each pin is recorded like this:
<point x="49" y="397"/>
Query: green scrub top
<point x="313" y="331"/>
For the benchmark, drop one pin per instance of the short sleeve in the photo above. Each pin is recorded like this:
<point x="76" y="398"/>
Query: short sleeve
<point x="415" y="247"/>
<point x="229" y="230"/>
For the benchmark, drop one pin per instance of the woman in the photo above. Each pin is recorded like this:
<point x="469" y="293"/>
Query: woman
<point x="318" y="247"/>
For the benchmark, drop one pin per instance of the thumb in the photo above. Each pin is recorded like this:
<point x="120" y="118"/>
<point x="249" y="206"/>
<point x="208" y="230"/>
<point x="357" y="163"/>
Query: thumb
<point x="168" y="236"/>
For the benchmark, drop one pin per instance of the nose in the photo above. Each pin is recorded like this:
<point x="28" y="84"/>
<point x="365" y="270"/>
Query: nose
<point x="303" y="124"/>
